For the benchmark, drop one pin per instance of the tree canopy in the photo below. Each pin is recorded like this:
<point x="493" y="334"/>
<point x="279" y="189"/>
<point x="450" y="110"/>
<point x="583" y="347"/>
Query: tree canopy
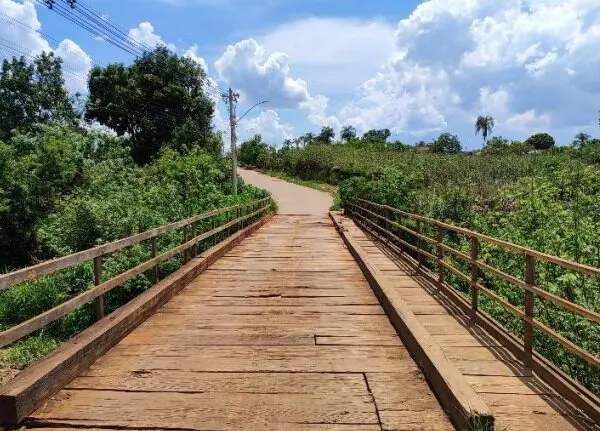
<point x="446" y="144"/>
<point x="326" y="136"/>
<point x="32" y="93"/>
<point x="540" y="141"/>
<point x="150" y="100"/>
<point x="348" y="133"/>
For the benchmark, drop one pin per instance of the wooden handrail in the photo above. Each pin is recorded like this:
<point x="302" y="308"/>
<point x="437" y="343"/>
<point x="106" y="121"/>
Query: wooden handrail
<point x="101" y="288"/>
<point x="362" y="209"/>
<point x="586" y="269"/>
<point x="50" y="266"/>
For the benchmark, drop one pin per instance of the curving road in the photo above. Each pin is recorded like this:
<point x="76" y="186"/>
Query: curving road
<point x="291" y="198"/>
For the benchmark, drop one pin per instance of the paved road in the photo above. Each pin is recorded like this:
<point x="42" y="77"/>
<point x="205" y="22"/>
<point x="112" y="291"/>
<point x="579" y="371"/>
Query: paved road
<point x="291" y="198"/>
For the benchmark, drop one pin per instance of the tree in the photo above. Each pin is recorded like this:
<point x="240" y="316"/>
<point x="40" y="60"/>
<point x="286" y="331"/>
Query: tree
<point x="485" y="125"/>
<point x="348" y="133"/>
<point x="580" y="139"/>
<point x="150" y="100"/>
<point x="307" y="139"/>
<point x="32" y="93"/>
<point x="377" y="136"/>
<point x="251" y="151"/>
<point x="540" y="141"/>
<point x="446" y="144"/>
<point x="326" y="136"/>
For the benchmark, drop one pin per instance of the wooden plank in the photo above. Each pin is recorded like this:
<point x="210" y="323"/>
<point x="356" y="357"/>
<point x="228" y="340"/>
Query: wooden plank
<point x="45" y="377"/>
<point x="99" y="378"/>
<point x="205" y="411"/>
<point x="403" y="420"/>
<point x="299" y="359"/>
<point x="357" y="339"/>
<point x="461" y="402"/>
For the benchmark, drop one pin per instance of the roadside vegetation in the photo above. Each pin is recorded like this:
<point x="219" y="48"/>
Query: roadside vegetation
<point x="72" y="179"/>
<point x="532" y="193"/>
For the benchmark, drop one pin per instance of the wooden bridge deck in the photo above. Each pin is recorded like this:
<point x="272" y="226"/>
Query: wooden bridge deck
<point x="282" y="333"/>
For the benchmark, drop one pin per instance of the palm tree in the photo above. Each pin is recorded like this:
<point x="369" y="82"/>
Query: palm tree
<point x="485" y="125"/>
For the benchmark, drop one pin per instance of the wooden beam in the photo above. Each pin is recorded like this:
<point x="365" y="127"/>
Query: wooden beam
<point x="42" y="379"/>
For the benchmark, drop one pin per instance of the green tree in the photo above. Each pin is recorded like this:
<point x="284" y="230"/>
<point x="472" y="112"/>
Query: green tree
<point x="540" y="141"/>
<point x="252" y="150"/>
<point x="485" y="125"/>
<point x="580" y="139"/>
<point x="348" y="133"/>
<point x="446" y="144"/>
<point x="377" y="136"/>
<point x="32" y="93"/>
<point x="326" y="136"/>
<point x="151" y="100"/>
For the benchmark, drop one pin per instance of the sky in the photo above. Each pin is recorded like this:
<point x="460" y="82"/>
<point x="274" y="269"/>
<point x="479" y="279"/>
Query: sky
<point x="418" y="68"/>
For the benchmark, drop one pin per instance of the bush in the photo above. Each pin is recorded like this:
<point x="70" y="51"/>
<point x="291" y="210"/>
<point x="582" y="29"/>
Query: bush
<point x="446" y="144"/>
<point x="540" y="141"/>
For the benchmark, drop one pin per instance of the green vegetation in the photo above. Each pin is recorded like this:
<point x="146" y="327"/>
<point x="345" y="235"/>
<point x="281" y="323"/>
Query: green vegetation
<point x="66" y="186"/>
<point x="546" y="200"/>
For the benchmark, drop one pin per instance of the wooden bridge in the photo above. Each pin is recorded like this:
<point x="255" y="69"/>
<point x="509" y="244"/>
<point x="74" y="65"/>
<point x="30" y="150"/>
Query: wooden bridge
<point x="302" y="321"/>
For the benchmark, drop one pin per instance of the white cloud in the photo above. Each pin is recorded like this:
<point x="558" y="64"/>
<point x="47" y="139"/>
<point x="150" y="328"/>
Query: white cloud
<point x="144" y="34"/>
<point x="269" y="125"/>
<point x="20" y="32"/>
<point x="531" y="65"/>
<point x="260" y="75"/>
<point x="192" y="53"/>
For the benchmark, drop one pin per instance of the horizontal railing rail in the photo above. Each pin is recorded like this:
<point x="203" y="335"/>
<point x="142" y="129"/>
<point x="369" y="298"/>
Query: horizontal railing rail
<point x="372" y="216"/>
<point x="243" y="213"/>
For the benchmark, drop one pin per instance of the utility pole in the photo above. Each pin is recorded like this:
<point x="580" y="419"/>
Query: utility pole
<point x="232" y="99"/>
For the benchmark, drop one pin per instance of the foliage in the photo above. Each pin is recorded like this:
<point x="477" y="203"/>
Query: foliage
<point x="156" y="100"/>
<point x="540" y="141"/>
<point x="32" y="93"/>
<point x="499" y="146"/>
<point x="348" y="133"/>
<point x="446" y="144"/>
<point x="326" y="136"/>
<point x="252" y="150"/>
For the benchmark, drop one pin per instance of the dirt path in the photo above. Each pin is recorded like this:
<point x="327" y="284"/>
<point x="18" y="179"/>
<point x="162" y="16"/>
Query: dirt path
<point x="291" y="198"/>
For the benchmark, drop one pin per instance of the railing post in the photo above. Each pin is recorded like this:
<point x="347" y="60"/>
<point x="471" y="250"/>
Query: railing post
<point x="99" y="301"/>
<point x="214" y="226"/>
<point x="193" y="249"/>
<point x="419" y="244"/>
<point x="528" y="321"/>
<point x="474" y="277"/>
<point x="154" y="252"/>
<point x="440" y="256"/>
<point x="185" y="252"/>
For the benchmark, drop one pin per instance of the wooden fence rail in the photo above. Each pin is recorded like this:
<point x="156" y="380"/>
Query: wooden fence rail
<point x="188" y="249"/>
<point x="369" y="213"/>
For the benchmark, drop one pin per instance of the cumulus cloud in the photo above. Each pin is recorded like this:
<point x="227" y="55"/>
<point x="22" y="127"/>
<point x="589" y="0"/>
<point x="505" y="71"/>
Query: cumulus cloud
<point x="192" y="53"/>
<point x="269" y="125"/>
<point x="529" y="64"/>
<point x="20" y="34"/>
<point x="144" y="33"/>
<point x="260" y="75"/>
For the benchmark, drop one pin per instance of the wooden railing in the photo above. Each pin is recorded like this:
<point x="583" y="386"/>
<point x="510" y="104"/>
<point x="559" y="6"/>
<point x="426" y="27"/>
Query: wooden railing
<point x="243" y="213"/>
<point x="380" y="219"/>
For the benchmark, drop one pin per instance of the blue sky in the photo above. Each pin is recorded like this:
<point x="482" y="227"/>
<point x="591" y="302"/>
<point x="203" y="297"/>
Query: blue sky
<point x="417" y="68"/>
